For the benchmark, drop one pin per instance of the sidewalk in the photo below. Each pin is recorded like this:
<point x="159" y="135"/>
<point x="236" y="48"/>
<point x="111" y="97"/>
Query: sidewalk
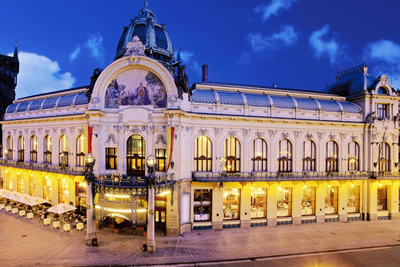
<point x="26" y="242"/>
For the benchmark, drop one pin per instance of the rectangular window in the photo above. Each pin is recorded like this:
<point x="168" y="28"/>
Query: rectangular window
<point x="32" y="186"/>
<point x="331" y="200"/>
<point x="382" y="198"/>
<point x="20" y="184"/>
<point x="8" y="181"/>
<point x="80" y="193"/>
<point x="308" y="201"/>
<point x="160" y="160"/>
<point x="202" y="204"/>
<point x="111" y="158"/>
<point x="258" y="203"/>
<point x="382" y="111"/>
<point x="284" y="203"/>
<point x="231" y="204"/>
<point x="47" y="188"/>
<point x="353" y="199"/>
<point x="62" y="191"/>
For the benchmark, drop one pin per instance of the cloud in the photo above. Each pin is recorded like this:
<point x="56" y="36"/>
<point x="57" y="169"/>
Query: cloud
<point x="384" y="56"/>
<point x="95" y="46"/>
<point x="331" y="47"/>
<point x="186" y="57"/>
<point x="39" y="74"/>
<point x="75" y="53"/>
<point x="287" y="36"/>
<point x="273" y="8"/>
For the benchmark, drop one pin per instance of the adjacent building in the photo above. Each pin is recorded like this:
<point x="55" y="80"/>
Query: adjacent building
<point x="227" y="155"/>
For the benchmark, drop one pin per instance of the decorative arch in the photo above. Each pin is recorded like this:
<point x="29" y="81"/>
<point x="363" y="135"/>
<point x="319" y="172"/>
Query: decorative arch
<point x="130" y="72"/>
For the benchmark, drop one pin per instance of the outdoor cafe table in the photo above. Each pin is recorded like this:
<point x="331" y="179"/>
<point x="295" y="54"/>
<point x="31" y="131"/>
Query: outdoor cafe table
<point x="29" y="215"/>
<point x="8" y="208"/>
<point x="22" y="213"/>
<point x="79" y="226"/>
<point x="66" y="227"/>
<point x="14" y="210"/>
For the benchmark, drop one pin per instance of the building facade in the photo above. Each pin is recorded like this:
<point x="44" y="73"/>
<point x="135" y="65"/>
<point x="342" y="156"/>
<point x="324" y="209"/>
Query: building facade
<point x="227" y="155"/>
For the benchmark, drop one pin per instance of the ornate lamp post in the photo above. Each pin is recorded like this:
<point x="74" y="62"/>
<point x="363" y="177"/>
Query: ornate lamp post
<point x="151" y="182"/>
<point x="91" y="239"/>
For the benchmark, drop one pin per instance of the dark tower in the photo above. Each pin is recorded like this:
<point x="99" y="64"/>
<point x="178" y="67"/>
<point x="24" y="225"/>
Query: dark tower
<point x="9" y="69"/>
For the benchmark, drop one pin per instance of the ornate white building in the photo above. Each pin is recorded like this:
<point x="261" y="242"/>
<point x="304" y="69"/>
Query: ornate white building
<point x="228" y="155"/>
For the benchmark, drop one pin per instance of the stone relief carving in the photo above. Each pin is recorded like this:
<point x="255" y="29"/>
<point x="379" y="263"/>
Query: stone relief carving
<point x="232" y="133"/>
<point x="259" y="134"/>
<point x="203" y="131"/>
<point x="218" y="131"/>
<point x="134" y="129"/>
<point x="63" y="131"/>
<point x="246" y="132"/>
<point x="47" y="131"/>
<point x="272" y="133"/>
<point x="120" y="117"/>
<point x="26" y="131"/>
<point x="15" y="131"/>
<point x="371" y="118"/>
<point x="161" y="139"/>
<point x="80" y="130"/>
<point x="343" y="136"/>
<point x="297" y="134"/>
<point x="321" y="135"/>
<point x="332" y="136"/>
<point x="354" y="138"/>
<point x="33" y="132"/>
<point x="285" y="135"/>
<point x="150" y="129"/>
<point x="54" y="129"/>
<point x="172" y="101"/>
<point x="309" y="136"/>
<point x="71" y="129"/>
<point x="20" y="132"/>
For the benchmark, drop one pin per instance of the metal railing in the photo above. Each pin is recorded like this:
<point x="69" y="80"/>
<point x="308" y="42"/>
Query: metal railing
<point x="44" y="167"/>
<point x="290" y="176"/>
<point x="122" y="180"/>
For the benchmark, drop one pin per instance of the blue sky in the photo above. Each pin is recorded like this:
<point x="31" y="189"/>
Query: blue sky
<point x="293" y="43"/>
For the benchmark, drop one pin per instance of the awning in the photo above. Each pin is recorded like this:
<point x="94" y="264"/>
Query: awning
<point x="61" y="208"/>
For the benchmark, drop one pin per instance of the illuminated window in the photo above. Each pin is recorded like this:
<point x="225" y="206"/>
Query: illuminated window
<point x="9" y="148"/>
<point x="382" y="198"/>
<point x="231" y="204"/>
<point x="308" y="201"/>
<point x="8" y="181"/>
<point x="32" y="186"/>
<point x="285" y="156"/>
<point x="309" y="155"/>
<point x="47" y="149"/>
<point x="284" y="202"/>
<point x="332" y="156"/>
<point x="258" y="203"/>
<point x="34" y="149"/>
<point x="20" y="183"/>
<point x="111" y="158"/>
<point x="160" y="160"/>
<point x="63" y="191"/>
<point x="382" y="111"/>
<point x="47" y="188"/>
<point x="353" y="199"/>
<point x="353" y="157"/>
<point x="203" y="154"/>
<point x="331" y="200"/>
<point x="80" y="151"/>
<point x="21" y="148"/>
<point x="136" y="154"/>
<point x="384" y="157"/>
<point x="259" y="155"/>
<point x="64" y="150"/>
<point x="202" y="204"/>
<point x="232" y="155"/>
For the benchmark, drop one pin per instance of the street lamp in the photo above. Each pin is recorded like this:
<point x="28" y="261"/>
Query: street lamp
<point x="91" y="239"/>
<point x="151" y="182"/>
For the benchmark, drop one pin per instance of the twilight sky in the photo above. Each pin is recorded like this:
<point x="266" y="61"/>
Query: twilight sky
<point x="295" y="44"/>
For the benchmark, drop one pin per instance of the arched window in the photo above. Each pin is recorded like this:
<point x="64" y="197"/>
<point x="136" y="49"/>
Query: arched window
<point x="332" y="151"/>
<point x="21" y="148"/>
<point x="9" y="148"/>
<point x="384" y="157"/>
<point x="353" y="157"/>
<point x="47" y="149"/>
<point x="203" y="154"/>
<point x="309" y="155"/>
<point x="80" y="151"/>
<point x="135" y="157"/>
<point x="285" y="156"/>
<point x="382" y="91"/>
<point x="33" y="143"/>
<point x="64" y="150"/>
<point x="259" y="155"/>
<point x="232" y="155"/>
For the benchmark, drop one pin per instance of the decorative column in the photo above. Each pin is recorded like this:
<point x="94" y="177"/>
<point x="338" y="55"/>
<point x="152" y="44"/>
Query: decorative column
<point x="91" y="239"/>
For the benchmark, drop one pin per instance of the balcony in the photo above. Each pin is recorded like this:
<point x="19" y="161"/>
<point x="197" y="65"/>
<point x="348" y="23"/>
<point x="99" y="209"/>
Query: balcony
<point x="282" y="176"/>
<point x="44" y="167"/>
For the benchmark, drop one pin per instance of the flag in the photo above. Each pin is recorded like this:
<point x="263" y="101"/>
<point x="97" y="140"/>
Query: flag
<point x="170" y="145"/>
<point x="87" y="133"/>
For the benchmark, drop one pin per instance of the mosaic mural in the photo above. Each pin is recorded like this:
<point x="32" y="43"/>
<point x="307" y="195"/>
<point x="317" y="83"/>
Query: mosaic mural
<point x="136" y="88"/>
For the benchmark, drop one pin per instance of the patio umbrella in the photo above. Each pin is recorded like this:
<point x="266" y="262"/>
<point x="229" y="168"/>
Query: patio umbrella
<point x="3" y="192"/>
<point x="12" y="196"/>
<point x="61" y="208"/>
<point x="35" y="201"/>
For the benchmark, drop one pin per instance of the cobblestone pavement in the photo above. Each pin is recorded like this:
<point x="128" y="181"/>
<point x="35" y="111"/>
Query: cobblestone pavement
<point x="27" y="243"/>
